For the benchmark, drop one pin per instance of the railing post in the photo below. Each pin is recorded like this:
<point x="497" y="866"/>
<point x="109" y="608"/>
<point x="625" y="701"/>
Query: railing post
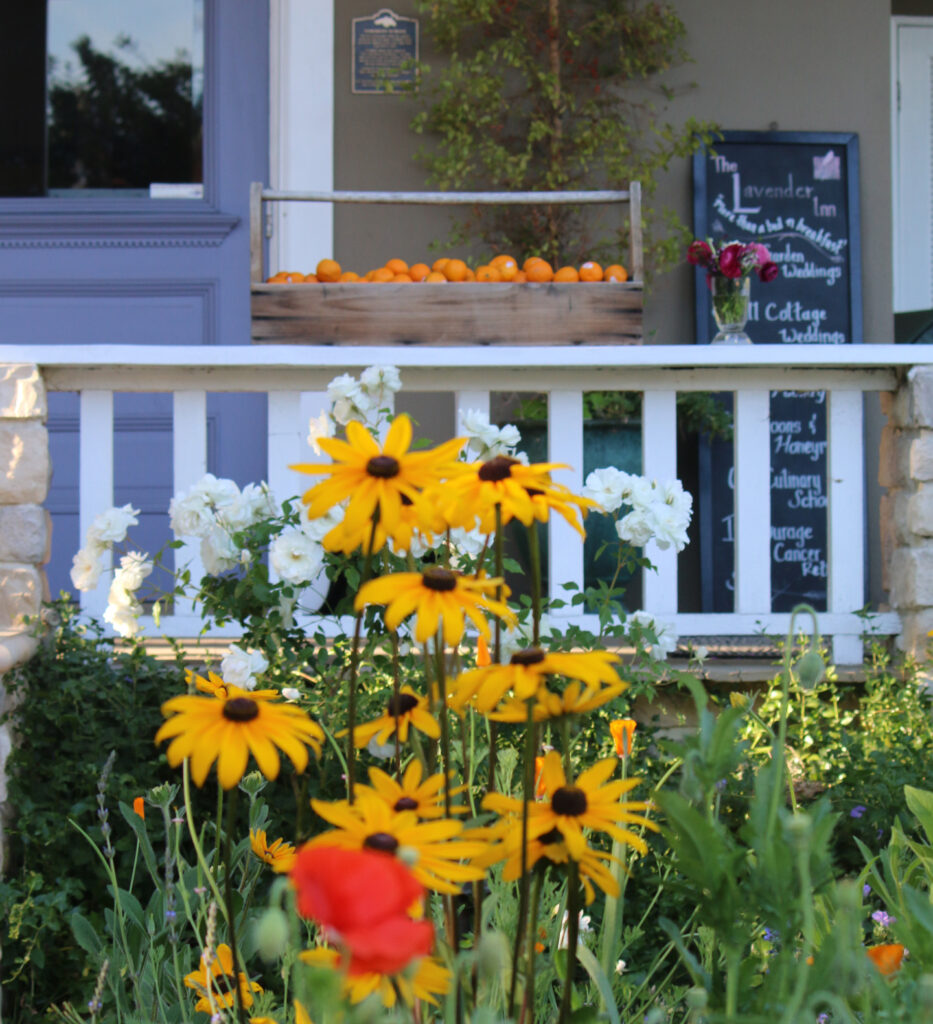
<point x="565" y="445"/>
<point x="752" y="501"/>
<point x="659" y="462"/>
<point x="95" y="482"/>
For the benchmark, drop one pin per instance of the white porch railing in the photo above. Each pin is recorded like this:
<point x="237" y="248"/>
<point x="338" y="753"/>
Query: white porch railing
<point x="295" y="378"/>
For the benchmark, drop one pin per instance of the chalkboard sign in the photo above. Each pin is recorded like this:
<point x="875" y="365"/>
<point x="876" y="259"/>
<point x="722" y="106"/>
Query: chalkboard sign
<point x="796" y="193"/>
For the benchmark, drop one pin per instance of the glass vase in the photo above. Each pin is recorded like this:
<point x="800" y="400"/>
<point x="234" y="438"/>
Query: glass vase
<point x="730" y="309"/>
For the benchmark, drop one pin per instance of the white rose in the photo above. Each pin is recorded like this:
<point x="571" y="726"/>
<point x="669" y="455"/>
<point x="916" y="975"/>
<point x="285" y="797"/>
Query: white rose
<point x="605" y="486"/>
<point x="190" y="516"/>
<point x="665" y="633"/>
<point x="637" y="491"/>
<point x="253" y="504"/>
<point x="317" y="529"/>
<point x="290" y="693"/>
<point x="134" y="568"/>
<point x="380" y="383"/>
<point x="474" y="422"/>
<point x="86" y="568"/>
<point x="111" y="525"/>
<point x="318" y="427"/>
<point x="123" y="618"/>
<point x="672" y="493"/>
<point x="240" y="668"/>
<point x="467" y="542"/>
<point x="347" y="398"/>
<point x="510" y="436"/>
<point x="218" y="552"/>
<point x="637" y="528"/>
<point x="295" y="557"/>
<point x="218" y="493"/>
<point x="669" y="527"/>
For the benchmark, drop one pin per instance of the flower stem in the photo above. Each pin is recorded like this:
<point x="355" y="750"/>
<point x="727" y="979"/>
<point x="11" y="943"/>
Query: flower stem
<point x="528" y="783"/>
<point x="573" y="930"/>
<point x="228" y="900"/>
<point x="535" y="554"/>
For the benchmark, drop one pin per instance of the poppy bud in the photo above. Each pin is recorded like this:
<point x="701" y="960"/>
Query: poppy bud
<point x="272" y="934"/>
<point x="810" y="669"/>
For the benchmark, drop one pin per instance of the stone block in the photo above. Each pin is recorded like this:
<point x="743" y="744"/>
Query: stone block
<point x="22" y="590"/>
<point x="22" y="392"/>
<point x="920" y="459"/>
<point x="920" y="512"/>
<point x="920" y="382"/>
<point x="24" y="534"/>
<point x="901" y="506"/>
<point x="894" y="457"/>
<point x="25" y="469"/>
<point x="915" y="628"/>
<point x="888" y="532"/>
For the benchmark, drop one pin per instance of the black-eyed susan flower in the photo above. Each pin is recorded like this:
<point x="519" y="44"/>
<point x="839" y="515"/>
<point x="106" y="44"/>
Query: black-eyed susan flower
<point x="527" y="672"/>
<point x="622" y="731"/>
<point x="438" y="596"/>
<point x="431" y="849"/>
<point x="279" y="854"/>
<point x="592" y="865"/>
<point x="425" y="799"/>
<point x="375" y="478"/>
<point x="575" y="700"/>
<point x="471" y="498"/>
<point x="591" y="802"/>
<point x="212" y="685"/>
<point x="218" y="983"/>
<point x="564" y="502"/>
<point x="227" y="730"/>
<point x="426" y="982"/>
<point x="407" y="711"/>
<point x="416" y="529"/>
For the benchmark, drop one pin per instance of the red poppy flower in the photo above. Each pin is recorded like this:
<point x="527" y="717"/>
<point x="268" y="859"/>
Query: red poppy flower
<point x="361" y="899"/>
<point x="887" y="958"/>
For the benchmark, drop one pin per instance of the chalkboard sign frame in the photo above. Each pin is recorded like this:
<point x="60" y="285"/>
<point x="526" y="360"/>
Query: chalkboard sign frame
<point x="846" y="145"/>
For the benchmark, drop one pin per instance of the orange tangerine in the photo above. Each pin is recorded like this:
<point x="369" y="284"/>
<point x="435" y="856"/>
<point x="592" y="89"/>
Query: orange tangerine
<point x="488" y="273"/>
<point x="435" y="277"/>
<point x="566" y="274"/>
<point x="591" y="271"/>
<point x="328" y="270"/>
<point x="381" y="275"/>
<point x="311" y="279"/>
<point x="402" y="279"/>
<point x="539" y="271"/>
<point x="615" y="273"/>
<point x="506" y="266"/>
<point x="529" y="261"/>
<point x="440" y="263"/>
<point x="419" y="271"/>
<point x="470" y="276"/>
<point x="520" y="277"/>
<point x="397" y="266"/>
<point x="346" y="276"/>
<point x="280" y="278"/>
<point x="455" y="270"/>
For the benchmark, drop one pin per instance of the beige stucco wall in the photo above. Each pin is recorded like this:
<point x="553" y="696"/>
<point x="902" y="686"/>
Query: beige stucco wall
<point x="797" y="65"/>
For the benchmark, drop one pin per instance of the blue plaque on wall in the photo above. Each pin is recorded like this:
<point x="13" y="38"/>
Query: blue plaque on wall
<point x="385" y="49"/>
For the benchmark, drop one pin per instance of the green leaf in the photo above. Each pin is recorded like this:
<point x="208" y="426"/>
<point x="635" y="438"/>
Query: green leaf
<point x="602" y="983"/>
<point x="138" y="825"/>
<point x="920" y="802"/>
<point x="84" y="934"/>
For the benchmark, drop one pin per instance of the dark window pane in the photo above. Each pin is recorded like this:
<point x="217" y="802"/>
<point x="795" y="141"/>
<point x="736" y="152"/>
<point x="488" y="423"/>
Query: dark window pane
<point x="110" y="96"/>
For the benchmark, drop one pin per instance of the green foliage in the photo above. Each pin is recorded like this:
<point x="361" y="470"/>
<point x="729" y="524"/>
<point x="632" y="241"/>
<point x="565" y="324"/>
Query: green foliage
<point x="554" y="96"/>
<point x="73" y="703"/>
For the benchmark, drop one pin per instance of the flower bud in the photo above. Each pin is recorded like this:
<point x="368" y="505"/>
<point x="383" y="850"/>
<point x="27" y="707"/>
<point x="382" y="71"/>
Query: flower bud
<point x="162" y="796"/>
<point x="810" y="669"/>
<point x="697" y="998"/>
<point x="798" y="828"/>
<point x="272" y="934"/>
<point x="253" y="784"/>
<point x="492" y="954"/>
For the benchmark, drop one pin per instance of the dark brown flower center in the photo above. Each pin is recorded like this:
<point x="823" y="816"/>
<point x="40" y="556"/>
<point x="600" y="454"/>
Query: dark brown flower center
<point x="498" y="468"/>
<point x="401" y="704"/>
<point x="529" y="656"/>
<point x="552" y="837"/>
<point x="406" y="803"/>
<point x="384" y="466"/>
<point x="569" y="801"/>
<point x="533" y="492"/>
<point x="381" y="841"/>
<point x="437" y="578"/>
<point x="406" y="501"/>
<point x="225" y="982"/>
<point x="241" y="709"/>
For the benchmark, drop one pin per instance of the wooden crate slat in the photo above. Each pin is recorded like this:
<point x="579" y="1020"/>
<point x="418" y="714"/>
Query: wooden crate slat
<point x="455" y="314"/>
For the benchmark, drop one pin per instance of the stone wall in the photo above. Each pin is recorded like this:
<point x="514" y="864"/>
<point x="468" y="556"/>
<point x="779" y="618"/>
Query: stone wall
<point x="906" y="470"/>
<point x="25" y="530"/>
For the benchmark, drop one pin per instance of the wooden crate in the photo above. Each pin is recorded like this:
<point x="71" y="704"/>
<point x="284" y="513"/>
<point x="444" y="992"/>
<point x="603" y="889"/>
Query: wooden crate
<point x="598" y="313"/>
<point x="448" y="314"/>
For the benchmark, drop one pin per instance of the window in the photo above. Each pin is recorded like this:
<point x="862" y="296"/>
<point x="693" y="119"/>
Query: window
<point x="109" y="97"/>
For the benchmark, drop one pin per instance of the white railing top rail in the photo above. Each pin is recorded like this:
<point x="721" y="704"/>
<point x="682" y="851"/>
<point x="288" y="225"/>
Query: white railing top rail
<point x="867" y="367"/>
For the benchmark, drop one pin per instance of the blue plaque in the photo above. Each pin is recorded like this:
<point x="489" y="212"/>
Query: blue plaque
<point x="385" y="48"/>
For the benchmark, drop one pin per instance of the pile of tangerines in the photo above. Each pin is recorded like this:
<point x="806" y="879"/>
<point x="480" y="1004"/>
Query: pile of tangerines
<point x="445" y="270"/>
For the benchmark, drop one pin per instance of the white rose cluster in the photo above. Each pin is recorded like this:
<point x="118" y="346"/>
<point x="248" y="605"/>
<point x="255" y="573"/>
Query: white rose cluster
<point x="123" y="608"/>
<point x="241" y="667"/>
<point x="107" y="529"/>
<point x="363" y="399"/>
<point x="486" y="440"/>
<point x="212" y="510"/>
<point x="659" y="512"/>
